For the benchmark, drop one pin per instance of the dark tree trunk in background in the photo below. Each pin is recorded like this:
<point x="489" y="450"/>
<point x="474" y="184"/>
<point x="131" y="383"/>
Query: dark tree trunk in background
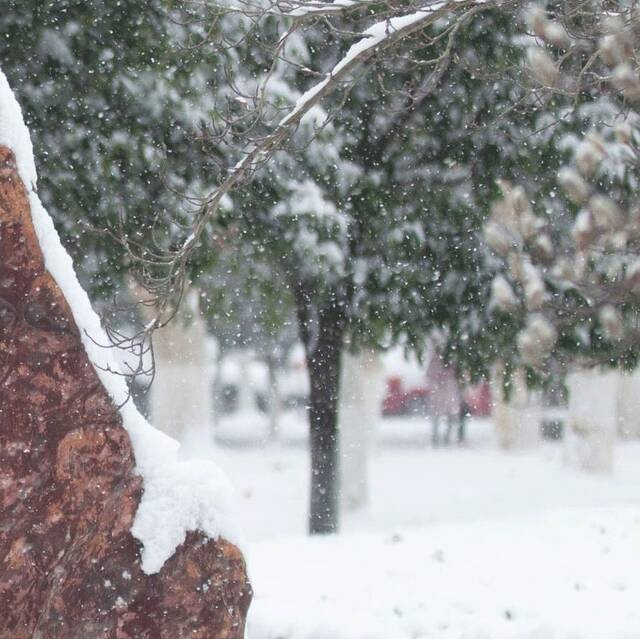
<point x="324" y="377"/>
<point x="322" y="331"/>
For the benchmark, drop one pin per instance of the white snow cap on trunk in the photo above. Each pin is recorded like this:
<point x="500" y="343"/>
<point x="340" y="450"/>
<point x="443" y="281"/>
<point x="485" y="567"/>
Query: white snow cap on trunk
<point x="178" y="495"/>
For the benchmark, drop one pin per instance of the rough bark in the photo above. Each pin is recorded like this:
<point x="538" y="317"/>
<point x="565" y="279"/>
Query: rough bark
<point x="323" y="338"/>
<point x="69" y="566"/>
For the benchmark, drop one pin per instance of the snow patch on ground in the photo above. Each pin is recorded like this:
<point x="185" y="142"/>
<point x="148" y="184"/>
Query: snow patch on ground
<point x="413" y="484"/>
<point x="459" y="542"/>
<point x="178" y="495"/>
<point x="559" y="575"/>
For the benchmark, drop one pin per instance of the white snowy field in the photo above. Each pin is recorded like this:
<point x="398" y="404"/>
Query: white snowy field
<point x="458" y="543"/>
<point x="554" y="575"/>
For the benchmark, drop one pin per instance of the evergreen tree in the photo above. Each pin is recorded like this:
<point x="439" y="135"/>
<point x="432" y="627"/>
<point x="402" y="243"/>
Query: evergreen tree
<point x="374" y="222"/>
<point x="115" y="94"/>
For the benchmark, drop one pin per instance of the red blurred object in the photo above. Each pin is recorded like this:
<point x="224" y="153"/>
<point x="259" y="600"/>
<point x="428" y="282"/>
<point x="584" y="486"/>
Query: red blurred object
<point x="400" y="401"/>
<point x="393" y="402"/>
<point x="478" y="400"/>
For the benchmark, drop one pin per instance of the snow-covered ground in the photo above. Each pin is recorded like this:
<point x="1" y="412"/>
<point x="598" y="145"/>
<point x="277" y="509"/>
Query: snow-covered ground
<point x="554" y="575"/>
<point x="458" y="543"/>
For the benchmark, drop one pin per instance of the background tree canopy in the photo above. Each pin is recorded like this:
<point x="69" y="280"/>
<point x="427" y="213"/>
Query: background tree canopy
<point x="365" y="228"/>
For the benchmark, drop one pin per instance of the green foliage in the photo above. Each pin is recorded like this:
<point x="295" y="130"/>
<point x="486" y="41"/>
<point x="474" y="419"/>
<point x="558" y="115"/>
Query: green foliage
<point x="114" y="102"/>
<point x="378" y="212"/>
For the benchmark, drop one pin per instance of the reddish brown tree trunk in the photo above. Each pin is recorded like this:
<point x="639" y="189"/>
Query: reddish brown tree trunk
<point x="69" y="566"/>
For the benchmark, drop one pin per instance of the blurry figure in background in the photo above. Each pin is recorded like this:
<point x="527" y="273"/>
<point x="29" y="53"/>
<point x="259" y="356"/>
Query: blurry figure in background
<point x="445" y="399"/>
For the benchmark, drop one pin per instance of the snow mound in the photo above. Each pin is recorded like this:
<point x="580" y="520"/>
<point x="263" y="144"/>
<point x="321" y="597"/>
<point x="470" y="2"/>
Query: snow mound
<point x="179" y="495"/>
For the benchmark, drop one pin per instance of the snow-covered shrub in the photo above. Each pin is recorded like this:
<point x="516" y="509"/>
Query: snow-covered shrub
<point x="571" y="267"/>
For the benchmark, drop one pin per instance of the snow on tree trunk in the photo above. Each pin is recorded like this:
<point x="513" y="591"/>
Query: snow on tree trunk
<point x="181" y="393"/>
<point x="628" y="404"/>
<point x="275" y="399"/>
<point x="360" y="404"/>
<point x="591" y="424"/>
<point x="103" y="531"/>
<point x="216" y="387"/>
<point x="246" y="400"/>
<point x="517" y="419"/>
